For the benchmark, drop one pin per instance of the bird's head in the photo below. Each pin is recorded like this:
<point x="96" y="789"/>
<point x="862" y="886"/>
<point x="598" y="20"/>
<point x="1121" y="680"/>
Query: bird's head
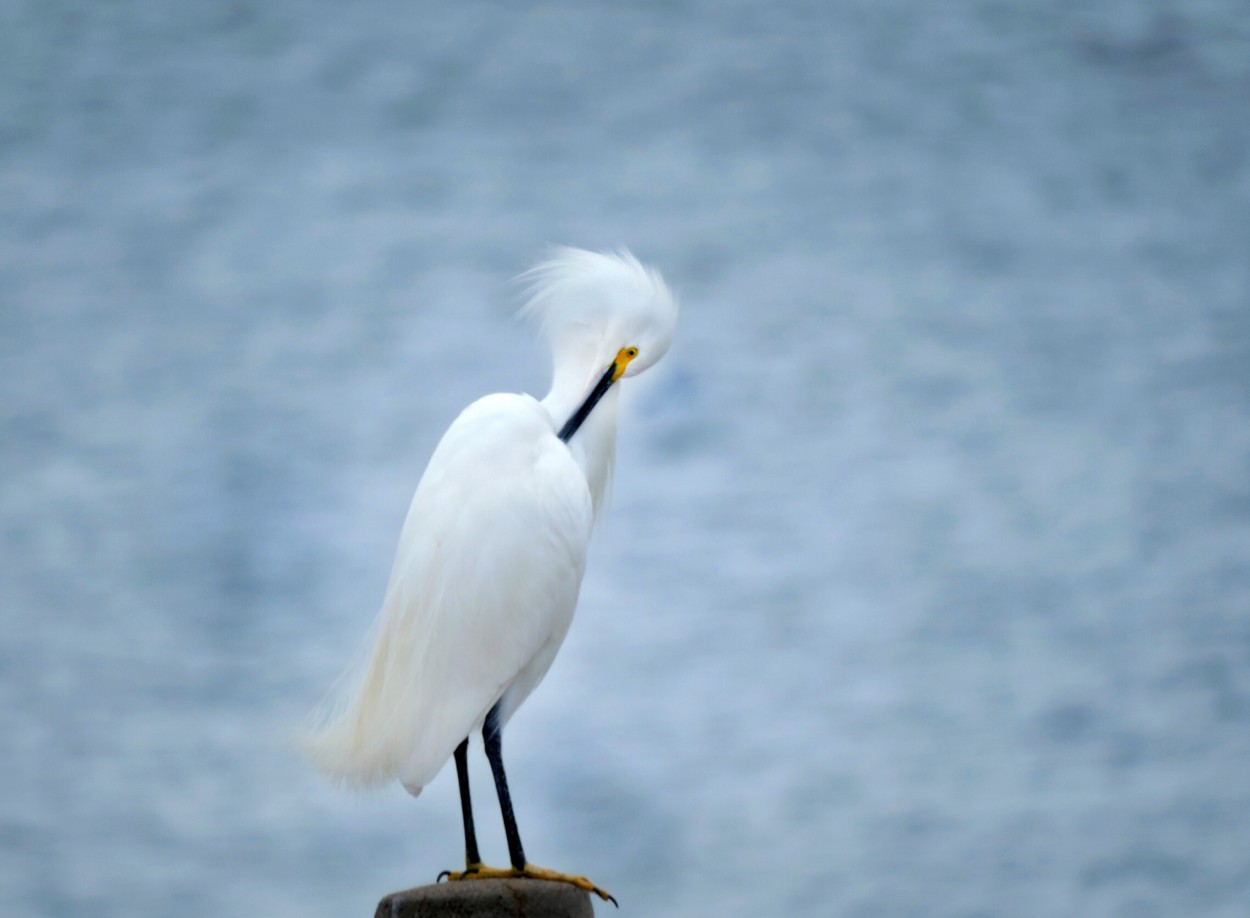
<point x="592" y="305"/>
<point x="607" y="316"/>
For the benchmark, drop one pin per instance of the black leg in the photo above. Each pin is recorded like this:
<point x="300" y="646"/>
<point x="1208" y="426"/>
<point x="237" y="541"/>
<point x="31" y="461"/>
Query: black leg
<point x="491" y="735"/>
<point x="471" y="856"/>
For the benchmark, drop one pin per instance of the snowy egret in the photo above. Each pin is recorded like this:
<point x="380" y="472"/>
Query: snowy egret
<point x="491" y="555"/>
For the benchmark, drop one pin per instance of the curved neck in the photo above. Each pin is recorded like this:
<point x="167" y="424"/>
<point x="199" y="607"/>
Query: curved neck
<point x="593" y="444"/>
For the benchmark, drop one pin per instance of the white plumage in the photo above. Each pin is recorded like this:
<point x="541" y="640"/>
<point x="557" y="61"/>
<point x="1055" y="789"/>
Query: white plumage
<point x="492" y="552"/>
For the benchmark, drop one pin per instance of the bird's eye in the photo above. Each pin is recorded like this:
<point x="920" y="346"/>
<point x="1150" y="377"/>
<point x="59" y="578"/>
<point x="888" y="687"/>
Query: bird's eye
<point x="632" y="352"/>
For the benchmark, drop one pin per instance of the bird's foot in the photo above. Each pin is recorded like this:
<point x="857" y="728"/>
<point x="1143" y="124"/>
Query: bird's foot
<point x="530" y="871"/>
<point x="472" y="871"/>
<point x="543" y="873"/>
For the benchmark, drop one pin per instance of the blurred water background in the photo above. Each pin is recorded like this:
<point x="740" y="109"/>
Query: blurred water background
<point x="925" y="587"/>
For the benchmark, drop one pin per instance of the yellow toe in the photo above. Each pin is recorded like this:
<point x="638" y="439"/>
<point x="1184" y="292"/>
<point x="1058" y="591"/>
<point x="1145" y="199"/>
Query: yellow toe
<point x="542" y="873"/>
<point x="529" y="871"/>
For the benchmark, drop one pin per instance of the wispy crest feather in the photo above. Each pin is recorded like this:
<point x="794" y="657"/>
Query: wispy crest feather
<point x="578" y="293"/>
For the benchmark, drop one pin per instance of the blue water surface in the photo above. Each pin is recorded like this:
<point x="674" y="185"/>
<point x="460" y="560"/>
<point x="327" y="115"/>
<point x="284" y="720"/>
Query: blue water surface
<point x="925" y="590"/>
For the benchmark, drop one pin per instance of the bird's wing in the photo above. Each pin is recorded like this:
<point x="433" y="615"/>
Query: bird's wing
<point x="486" y="577"/>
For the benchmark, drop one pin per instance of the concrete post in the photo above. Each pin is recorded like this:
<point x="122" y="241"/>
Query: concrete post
<point x="520" y="898"/>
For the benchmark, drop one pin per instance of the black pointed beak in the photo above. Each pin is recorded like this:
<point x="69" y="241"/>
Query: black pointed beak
<point x="583" y="410"/>
<point x="614" y="372"/>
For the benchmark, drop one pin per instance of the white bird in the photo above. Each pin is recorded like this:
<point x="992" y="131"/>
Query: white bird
<point x="491" y="555"/>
